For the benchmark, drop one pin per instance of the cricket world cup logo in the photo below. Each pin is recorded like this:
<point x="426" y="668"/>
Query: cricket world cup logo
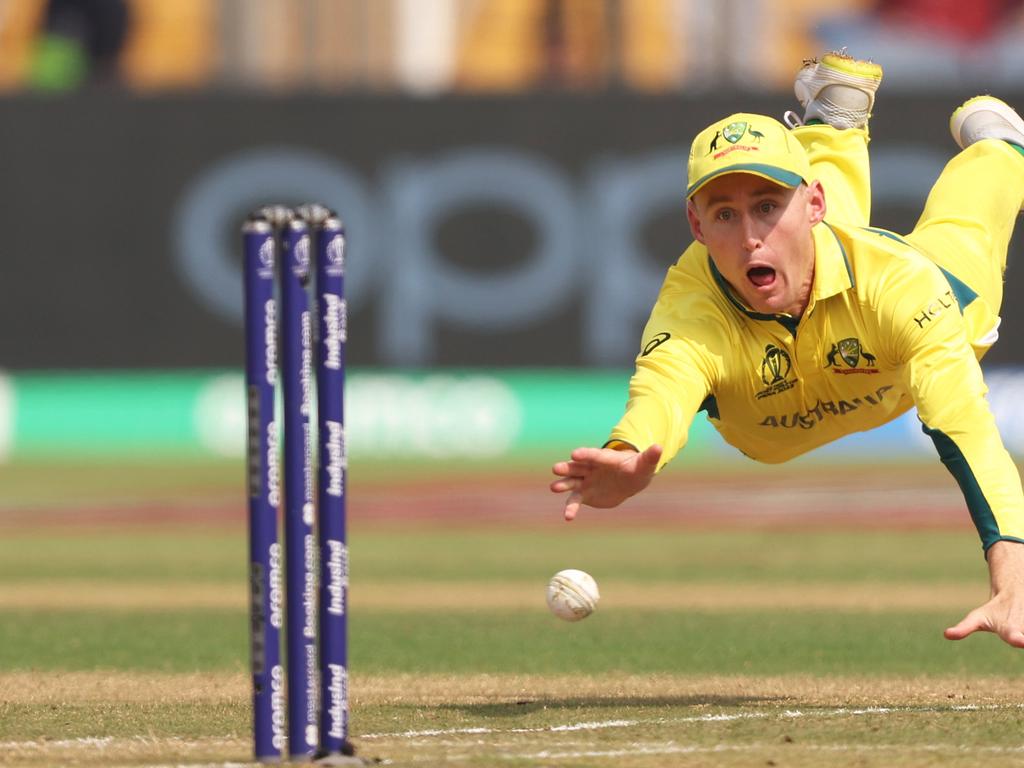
<point x="776" y="365"/>
<point x="775" y="369"/>
<point x="300" y="257"/>
<point x="266" y="258"/>
<point x="336" y="256"/>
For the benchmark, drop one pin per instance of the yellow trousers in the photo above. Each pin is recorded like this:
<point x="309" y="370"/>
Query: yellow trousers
<point x="969" y="215"/>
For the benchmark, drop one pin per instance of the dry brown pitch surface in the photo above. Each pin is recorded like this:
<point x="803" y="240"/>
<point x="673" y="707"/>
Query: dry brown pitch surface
<point x="487" y="720"/>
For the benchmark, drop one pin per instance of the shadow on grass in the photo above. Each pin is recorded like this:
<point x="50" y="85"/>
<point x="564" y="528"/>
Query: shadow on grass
<point x="535" y="704"/>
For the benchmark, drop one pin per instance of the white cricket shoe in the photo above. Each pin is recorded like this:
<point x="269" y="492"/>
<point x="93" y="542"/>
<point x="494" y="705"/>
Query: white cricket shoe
<point x="838" y="90"/>
<point x="986" y="117"/>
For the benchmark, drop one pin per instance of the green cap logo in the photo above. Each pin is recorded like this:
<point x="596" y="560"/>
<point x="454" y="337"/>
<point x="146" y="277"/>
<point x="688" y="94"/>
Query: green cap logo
<point x="733" y="132"/>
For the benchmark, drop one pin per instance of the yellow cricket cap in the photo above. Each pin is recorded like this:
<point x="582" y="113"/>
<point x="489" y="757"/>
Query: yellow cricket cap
<point x="745" y="143"/>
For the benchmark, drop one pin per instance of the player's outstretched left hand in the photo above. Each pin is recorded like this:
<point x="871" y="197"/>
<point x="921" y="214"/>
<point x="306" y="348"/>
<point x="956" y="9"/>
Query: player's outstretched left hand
<point x="603" y="477"/>
<point x="1003" y="614"/>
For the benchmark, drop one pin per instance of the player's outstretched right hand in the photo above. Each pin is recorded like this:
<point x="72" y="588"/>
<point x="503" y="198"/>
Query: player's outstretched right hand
<point x="603" y="477"/>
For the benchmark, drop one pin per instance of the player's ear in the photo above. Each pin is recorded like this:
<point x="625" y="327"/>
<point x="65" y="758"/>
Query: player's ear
<point x="695" y="228"/>
<point x="816" y="202"/>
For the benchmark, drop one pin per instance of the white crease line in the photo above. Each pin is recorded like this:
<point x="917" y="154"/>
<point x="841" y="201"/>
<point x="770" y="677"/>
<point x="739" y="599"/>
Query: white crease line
<point x="105" y="742"/>
<point x="585" y="726"/>
<point x="635" y="749"/>
<point x="242" y="765"/>
<point x="671" y="748"/>
<point x="237" y="765"/>
<point x="91" y="741"/>
<point x="108" y="741"/>
<point x="593" y="726"/>
<point x="561" y="728"/>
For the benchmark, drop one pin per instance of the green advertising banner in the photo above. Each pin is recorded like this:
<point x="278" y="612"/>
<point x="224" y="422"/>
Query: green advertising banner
<point x="475" y="415"/>
<point x="439" y="415"/>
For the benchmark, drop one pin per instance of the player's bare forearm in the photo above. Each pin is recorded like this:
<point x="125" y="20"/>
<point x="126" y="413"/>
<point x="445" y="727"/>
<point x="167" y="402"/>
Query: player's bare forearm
<point x="1003" y="614"/>
<point x="603" y="477"/>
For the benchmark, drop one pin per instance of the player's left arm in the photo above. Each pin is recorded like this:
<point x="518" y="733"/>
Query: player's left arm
<point x="927" y="335"/>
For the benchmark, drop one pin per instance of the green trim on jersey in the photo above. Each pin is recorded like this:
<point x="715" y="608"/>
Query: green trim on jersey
<point x="981" y="512"/>
<point x="842" y="251"/>
<point x="962" y="292"/>
<point x="890" y="235"/>
<point x="710" y="407"/>
<point x="786" y="321"/>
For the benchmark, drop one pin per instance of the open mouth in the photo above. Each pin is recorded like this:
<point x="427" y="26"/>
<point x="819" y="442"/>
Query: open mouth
<point x="762" y="277"/>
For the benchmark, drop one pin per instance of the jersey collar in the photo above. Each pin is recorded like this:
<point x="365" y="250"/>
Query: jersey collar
<point x="832" y="271"/>
<point x="832" y="275"/>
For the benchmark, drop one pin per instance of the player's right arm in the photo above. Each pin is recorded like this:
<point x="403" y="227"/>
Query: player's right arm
<point x="667" y="389"/>
<point x="604" y="477"/>
<point x="675" y="372"/>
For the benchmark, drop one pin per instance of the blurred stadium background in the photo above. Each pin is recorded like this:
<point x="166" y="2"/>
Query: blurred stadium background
<point x="511" y="175"/>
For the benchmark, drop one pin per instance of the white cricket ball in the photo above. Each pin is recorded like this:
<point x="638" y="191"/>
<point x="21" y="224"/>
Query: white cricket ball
<point x="572" y="594"/>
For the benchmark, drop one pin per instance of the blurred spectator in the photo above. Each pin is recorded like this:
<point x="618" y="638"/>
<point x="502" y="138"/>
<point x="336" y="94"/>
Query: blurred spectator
<point x="80" y="41"/>
<point x="521" y="44"/>
<point x="574" y="43"/>
<point x="176" y="44"/>
<point x="936" y="42"/>
<point x="967" y="23"/>
<point x="431" y="47"/>
<point x="503" y="46"/>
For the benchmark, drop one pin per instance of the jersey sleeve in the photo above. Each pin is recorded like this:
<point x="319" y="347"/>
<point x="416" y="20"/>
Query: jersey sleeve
<point x="923" y="323"/>
<point x="675" y="372"/>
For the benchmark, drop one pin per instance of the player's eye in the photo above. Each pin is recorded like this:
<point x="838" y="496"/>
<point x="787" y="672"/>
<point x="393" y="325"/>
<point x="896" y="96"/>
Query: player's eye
<point x="723" y="214"/>
<point x="766" y="206"/>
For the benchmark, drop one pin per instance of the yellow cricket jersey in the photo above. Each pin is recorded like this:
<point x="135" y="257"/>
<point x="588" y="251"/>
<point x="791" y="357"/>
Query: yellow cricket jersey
<point x="885" y="329"/>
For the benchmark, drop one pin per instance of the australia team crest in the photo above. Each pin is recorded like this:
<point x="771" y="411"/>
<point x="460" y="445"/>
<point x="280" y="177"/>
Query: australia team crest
<point x="733" y="132"/>
<point x="850" y="353"/>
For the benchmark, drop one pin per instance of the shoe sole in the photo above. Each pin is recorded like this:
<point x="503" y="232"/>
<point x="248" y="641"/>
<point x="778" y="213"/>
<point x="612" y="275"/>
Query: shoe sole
<point x="840" y="70"/>
<point x="983" y="104"/>
<point x="854" y="71"/>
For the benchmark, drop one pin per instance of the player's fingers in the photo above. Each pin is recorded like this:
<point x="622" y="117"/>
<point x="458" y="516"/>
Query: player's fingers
<point x="974" y="621"/>
<point x="572" y="506"/>
<point x="650" y="457"/>
<point x="1014" y="637"/>
<point x="587" y="455"/>
<point x="565" y="484"/>
<point x="600" y="458"/>
<point x="571" y="468"/>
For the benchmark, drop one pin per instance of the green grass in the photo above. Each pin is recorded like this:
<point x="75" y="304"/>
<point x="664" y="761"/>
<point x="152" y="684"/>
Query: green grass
<point x="146" y="479"/>
<point x="900" y="651"/>
<point x="688" y="643"/>
<point x="141" y="479"/>
<point x="158" y="718"/>
<point x="172" y="641"/>
<point x="167" y="556"/>
<point x="678" y="641"/>
<point x="668" y="555"/>
<point x="629" y="641"/>
<point x="423" y="554"/>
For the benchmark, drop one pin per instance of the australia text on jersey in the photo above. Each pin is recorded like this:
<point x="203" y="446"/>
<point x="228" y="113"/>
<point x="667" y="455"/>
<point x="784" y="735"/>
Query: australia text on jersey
<point x="823" y="408"/>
